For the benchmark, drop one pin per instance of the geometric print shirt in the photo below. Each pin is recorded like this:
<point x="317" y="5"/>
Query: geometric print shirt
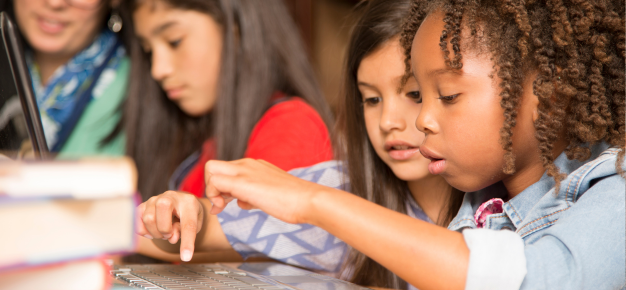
<point x="255" y="233"/>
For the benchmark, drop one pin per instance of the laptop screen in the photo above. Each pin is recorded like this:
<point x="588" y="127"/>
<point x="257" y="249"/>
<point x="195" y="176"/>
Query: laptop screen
<point x="14" y="138"/>
<point x="21" y="132"/>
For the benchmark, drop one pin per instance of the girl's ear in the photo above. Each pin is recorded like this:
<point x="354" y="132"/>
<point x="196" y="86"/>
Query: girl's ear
<point x="534" y="100"/>
<point x="535" y="104"/>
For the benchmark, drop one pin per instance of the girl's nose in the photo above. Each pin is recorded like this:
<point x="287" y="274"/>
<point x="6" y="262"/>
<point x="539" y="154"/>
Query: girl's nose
<point x="391" y="118"/>
<point x="425" y="121"/>
<point x="161" y="65"/>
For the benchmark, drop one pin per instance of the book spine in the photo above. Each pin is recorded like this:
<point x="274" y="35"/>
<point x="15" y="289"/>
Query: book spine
<point x="55" y="257"/>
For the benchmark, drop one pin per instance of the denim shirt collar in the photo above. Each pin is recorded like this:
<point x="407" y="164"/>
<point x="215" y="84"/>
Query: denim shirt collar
<point x="536" y="199"/>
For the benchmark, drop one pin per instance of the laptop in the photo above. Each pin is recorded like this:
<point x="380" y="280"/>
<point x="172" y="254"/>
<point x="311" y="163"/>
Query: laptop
<point x="224" y="276"/>
<point x="21" y="132"/>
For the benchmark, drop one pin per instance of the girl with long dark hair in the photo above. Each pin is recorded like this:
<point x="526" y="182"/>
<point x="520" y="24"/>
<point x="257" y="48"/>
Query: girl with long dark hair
<point x="376" y="125"/>
<point x="220" y="71"/>
<point x="219" y="79"/>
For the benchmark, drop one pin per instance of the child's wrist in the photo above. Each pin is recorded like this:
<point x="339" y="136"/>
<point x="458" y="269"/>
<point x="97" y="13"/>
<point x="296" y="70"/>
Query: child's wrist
<point x="317" y="205"/>
<point x="206" y="207"/>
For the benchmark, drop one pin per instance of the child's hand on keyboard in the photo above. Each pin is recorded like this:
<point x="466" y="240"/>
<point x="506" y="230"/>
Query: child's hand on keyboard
<point x="172" y="216"/>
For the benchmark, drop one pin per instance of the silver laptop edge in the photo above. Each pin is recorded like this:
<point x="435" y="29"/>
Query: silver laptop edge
<point x="226" y="276"/>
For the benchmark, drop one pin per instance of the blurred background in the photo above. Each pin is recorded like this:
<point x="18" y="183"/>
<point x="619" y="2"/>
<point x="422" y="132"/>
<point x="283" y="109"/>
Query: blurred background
<point x="325" y="28"/>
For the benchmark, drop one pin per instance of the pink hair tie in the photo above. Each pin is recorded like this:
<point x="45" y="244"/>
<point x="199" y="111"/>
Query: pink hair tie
<point x="489" y="207"/>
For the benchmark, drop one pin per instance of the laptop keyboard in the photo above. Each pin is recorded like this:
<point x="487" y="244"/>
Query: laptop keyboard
<point x="205" y="277"/>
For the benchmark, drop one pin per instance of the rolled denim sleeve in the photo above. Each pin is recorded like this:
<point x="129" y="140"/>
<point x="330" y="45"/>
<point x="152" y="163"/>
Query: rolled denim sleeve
<point x="497" y="260"/>
<point x="585" y="248"/>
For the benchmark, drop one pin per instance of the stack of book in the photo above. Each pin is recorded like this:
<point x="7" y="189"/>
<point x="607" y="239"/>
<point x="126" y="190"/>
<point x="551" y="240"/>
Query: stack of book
<point x="60" y="219"/>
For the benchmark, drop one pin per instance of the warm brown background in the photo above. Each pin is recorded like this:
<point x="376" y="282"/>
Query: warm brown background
<point x="325" y="27"/>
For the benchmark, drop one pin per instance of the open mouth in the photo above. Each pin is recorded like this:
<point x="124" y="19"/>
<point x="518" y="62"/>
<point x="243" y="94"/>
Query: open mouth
<point x="400" y="150"/>
<point x="403" y="153"/>
<point x="428" y="155"/>
<point x="437" y="165"/>
<point x="401" y="147"/>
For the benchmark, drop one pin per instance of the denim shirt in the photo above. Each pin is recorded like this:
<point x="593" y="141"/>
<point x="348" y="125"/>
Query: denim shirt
<point x="572" y="239"/>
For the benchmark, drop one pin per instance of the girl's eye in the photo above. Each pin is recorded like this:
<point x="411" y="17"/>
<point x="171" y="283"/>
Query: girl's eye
<point x="415" y="96"/>
<point x="372" y="101"/>
<point x="449" y="98"/>
<point x="175" y="43"/>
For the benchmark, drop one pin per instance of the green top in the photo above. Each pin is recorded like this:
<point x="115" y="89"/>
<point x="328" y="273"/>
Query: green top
<point x="100" y="118"/>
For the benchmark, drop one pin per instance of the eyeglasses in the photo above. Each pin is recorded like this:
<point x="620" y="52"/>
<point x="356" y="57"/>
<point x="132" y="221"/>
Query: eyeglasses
<point x="85" y="4"/>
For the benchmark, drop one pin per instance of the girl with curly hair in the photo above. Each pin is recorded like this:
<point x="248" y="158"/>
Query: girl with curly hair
<point x="523" y="108"/>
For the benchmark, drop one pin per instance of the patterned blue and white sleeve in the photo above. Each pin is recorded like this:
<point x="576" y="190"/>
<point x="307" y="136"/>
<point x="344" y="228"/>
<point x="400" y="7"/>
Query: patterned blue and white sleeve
<point x="255" y="233"/>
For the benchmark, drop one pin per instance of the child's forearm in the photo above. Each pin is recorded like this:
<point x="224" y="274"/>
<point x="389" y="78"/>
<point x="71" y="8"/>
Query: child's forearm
<point x="424" y="255"/>
<point x="211" y="237"/>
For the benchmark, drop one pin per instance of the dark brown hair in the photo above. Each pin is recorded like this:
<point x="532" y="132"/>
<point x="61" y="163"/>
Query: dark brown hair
<point x="262" y="53"/>
<point x="576" y="47"/>
<point x="369" y="176"/>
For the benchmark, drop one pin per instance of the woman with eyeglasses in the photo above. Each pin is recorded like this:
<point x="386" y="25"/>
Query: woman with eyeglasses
<point x="79" y="70"/>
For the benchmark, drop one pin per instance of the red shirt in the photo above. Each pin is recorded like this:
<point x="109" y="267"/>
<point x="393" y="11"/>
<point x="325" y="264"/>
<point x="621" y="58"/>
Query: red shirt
<point x="291" y="134"/>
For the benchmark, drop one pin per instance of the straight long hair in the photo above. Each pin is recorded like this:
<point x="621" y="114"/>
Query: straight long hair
<point x="262" y="53"/>
<point x="369" y="176"/>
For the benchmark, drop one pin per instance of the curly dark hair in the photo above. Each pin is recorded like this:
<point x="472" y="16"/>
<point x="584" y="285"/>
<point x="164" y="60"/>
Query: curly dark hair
<point x="577" y="50"/>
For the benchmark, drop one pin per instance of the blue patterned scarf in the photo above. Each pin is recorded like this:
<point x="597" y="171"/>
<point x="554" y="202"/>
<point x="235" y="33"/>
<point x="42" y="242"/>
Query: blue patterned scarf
<point x="58" y="99"/>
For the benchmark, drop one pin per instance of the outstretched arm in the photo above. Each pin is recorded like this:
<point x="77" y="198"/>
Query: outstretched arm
<point x="425" y="255"/>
